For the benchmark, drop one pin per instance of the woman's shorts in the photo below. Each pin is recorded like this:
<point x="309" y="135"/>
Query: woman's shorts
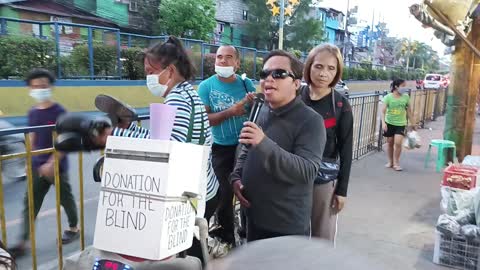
<point x="394" y="130"/>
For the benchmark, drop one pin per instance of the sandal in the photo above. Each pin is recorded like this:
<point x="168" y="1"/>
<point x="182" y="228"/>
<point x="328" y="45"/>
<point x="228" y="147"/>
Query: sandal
<point x="18" y="251"/>
<point x="397" y="168"/>
<point x="117" y="111"/>
<point x="70" y="236"/>
<point x="389" y="165"/>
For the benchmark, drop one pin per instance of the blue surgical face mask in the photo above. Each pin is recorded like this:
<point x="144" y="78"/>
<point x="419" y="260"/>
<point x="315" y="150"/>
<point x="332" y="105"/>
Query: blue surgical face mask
<point x="41" y="95"/>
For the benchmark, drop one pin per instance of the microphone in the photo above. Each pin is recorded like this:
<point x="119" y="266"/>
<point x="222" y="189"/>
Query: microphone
<point x="258" y="102"/>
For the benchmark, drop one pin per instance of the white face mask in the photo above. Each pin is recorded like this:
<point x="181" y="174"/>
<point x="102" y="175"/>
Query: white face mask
<point x="224" y="72"/>
<point x="41" y="95"/>
<point x="156" y="88"/>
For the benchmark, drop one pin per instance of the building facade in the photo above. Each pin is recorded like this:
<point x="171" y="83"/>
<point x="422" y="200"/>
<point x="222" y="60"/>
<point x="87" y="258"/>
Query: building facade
<point x="333" y="24"/>
<point x="231" y="16"/>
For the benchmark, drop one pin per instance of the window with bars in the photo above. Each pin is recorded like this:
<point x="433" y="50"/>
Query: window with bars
<point x="133" y="6"/>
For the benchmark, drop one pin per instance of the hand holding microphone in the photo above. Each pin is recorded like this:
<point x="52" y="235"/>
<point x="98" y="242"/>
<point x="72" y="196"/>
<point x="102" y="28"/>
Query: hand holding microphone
<point x="252" y="134"/>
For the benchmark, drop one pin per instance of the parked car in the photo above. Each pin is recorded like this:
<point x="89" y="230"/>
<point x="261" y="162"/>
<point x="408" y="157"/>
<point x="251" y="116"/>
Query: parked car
<point x="341" y="87"/>
<point x="432" y="81"/>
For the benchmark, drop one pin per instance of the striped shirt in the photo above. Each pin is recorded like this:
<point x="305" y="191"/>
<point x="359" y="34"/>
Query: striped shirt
<point x="181" y="97"/>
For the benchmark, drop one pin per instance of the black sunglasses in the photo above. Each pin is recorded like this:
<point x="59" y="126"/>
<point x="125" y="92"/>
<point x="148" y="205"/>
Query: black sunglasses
<point x="276" y="74"/>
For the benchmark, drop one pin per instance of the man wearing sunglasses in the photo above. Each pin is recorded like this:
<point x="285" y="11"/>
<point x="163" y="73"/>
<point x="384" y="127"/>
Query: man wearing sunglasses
<point x="274" y="172"/>
<point x="226" y="97"/>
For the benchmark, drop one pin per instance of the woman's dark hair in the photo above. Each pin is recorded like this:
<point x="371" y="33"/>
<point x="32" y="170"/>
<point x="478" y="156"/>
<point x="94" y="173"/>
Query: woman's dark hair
<point x="295" y="64"/>
<point x="7" y="261"/>
<point x="172" y="52"/>
<point x="37" y="73"/>
<point x="395" y="84"/>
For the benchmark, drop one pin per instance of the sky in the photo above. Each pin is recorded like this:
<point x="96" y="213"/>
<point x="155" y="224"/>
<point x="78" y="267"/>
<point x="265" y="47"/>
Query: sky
<point x="397" y="16"/>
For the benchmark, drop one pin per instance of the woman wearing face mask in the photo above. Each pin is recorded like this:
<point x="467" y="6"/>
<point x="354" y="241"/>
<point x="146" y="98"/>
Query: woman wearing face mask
<point x="323" y="69"/>
<point x="396" y="109"/>
<point x="168" y="70"/>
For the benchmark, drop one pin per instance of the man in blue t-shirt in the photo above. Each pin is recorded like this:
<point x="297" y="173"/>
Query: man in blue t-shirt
<point x="227" y="97"/>
<point x="46" y="112"/>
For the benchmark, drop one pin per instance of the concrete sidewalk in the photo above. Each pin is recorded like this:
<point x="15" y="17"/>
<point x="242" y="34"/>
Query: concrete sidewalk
<point x="391" y="216"/>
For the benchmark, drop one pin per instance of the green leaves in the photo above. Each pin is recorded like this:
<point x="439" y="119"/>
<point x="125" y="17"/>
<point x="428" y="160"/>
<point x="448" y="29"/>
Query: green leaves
<point x="104" y="59"/>
<point x="132" y="65"/>
<point x="366" y="72"/>
<point x="187" y="18"/>
<point x="18" y="55"/>
<point x="303" y="32"/>
<point x="300" y="33"/>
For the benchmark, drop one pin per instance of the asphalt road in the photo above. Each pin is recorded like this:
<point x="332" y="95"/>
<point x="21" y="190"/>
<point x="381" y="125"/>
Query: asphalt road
<point x="46" y="227"/>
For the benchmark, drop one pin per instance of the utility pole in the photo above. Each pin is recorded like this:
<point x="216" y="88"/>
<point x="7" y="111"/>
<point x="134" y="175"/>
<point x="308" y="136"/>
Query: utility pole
<point x="280" y="30"/>
<point x="347" y="38"/>
<point x="465" y="81"/>
<point x="281" y="11"/>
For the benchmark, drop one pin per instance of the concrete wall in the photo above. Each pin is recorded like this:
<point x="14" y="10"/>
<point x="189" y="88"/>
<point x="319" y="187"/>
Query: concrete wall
<point x="74" y="95"/>
<point x="78" y="95"/>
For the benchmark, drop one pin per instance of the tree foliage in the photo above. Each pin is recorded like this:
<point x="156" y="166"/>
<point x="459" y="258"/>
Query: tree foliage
<point x="187" y="18"/>
<point x="18" y="55"/>
<point x="301" y="32"/>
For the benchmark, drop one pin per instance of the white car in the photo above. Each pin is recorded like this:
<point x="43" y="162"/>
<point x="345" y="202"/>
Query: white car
<point x="342" y="87"/>
<point x="432" y="81"/>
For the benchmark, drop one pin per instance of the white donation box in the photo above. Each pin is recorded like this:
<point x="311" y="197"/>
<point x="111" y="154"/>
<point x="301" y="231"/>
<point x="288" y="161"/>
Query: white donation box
<point x="146" y="207"/>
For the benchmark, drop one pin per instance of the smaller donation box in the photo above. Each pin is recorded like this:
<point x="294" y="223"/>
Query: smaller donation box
<point x="147" y="203"/>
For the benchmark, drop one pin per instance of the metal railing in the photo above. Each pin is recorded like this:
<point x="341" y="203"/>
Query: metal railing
<point x="365" y="108"/>
<point x="82" y="34"/>
<point x="367" y="138"/>
<point x="27" y="155"/>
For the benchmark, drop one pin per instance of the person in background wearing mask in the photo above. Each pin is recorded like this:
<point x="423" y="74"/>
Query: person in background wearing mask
<point x="46" y="112"/>
<point x="396" y="109"/>
<point x="323" y="69"/>
<point x="226" y="97"/>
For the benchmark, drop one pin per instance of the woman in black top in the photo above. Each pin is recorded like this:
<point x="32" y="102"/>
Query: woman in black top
<point x="323" y="70"/>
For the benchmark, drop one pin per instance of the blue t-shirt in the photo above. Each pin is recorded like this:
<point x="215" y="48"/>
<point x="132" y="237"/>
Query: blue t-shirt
<point x="220" y="96"/>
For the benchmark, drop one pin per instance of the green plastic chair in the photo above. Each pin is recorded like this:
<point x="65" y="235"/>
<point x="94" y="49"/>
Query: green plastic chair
<point x="441" y="156"/>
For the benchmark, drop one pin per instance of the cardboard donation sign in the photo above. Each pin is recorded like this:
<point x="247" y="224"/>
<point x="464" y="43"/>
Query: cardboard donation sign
<point x="142" y="210"/>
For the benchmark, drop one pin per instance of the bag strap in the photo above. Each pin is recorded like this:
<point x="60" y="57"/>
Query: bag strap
<point x="191" y="124"/>
<point x="245" y="86"/>
<point x="334" y="104"/>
